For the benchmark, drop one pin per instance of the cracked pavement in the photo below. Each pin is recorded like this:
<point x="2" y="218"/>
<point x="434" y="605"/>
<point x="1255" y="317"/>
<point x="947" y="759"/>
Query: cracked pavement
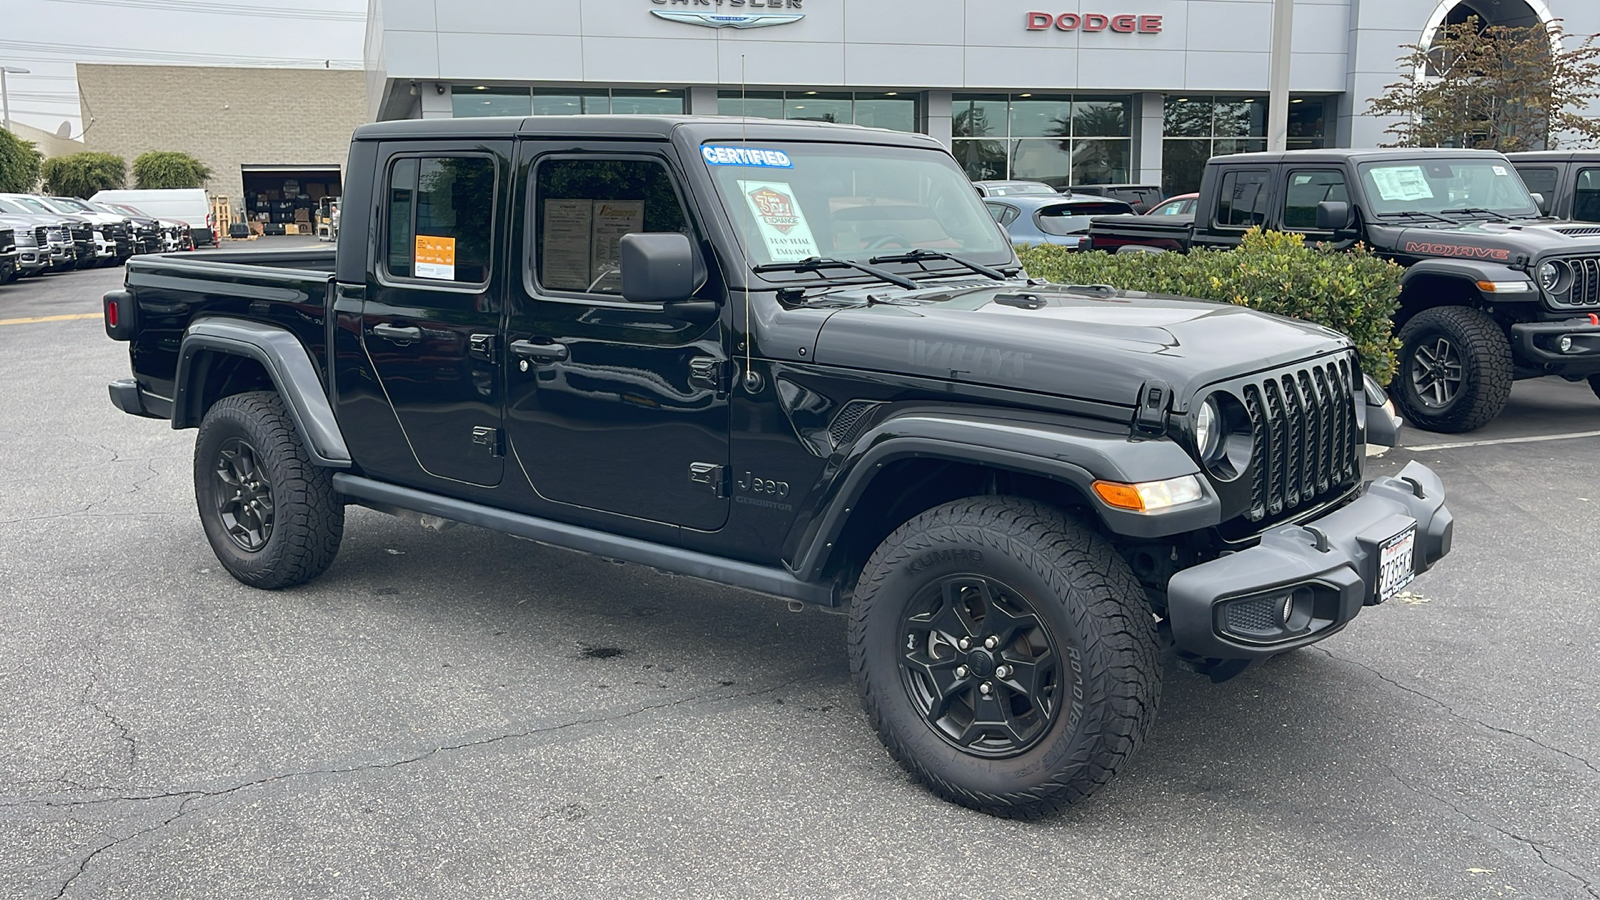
<point x="441" y="715"/>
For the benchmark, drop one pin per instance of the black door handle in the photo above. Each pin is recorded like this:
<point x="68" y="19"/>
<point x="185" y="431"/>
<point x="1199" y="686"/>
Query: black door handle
<point x="399" y="333"/>
<point x="540" y="352"/>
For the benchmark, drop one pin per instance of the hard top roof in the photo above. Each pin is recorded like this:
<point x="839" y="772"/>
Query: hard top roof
<point x="695" y="128"/>
<point x="1342" y="154"/>
<point x="1555" y="156"/>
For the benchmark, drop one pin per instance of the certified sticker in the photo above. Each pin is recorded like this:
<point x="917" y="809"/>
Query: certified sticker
<point x="745" y="156"/>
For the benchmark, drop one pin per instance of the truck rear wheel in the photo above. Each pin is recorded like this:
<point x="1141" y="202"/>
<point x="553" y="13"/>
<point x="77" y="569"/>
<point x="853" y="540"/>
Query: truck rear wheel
<point x="1005" y="654"/>
<point x="270" y="514"/>
<point x="1455" y="369"/>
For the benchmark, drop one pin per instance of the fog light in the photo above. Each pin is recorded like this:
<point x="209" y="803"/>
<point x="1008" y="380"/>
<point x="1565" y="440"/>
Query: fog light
<point x="1564" y="343"/>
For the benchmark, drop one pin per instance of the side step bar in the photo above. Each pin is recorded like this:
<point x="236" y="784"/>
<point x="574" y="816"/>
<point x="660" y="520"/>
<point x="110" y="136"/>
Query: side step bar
<point x="675" y="560"/>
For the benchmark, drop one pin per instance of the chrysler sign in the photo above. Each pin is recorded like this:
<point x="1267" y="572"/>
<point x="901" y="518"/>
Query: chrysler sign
<point x="720" y="19"/>
<point x="1123" y="24"/>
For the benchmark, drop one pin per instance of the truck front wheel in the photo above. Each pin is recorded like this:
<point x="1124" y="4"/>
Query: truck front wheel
<point x="1455" y="369"/>
<point x="1005" y="654"/>
<point x="270" y="513"/>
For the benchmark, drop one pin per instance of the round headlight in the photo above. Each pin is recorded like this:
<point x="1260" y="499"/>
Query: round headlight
<point x="1207" y="434"/>
<point x="1550" y="276"/>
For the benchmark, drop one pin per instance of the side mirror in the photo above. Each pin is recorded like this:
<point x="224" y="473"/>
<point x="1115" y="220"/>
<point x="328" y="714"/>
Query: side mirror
<point x="657" y="268"/>
<point x="1540" y="201"/>
<point x="1333" y="215"/>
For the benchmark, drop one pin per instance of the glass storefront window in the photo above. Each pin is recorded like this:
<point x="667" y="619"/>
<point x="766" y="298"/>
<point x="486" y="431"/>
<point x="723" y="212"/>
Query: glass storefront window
<point x="1059" y="139"/>
<point x="1041" y="116"/>
<point x="978" y="115"/>
<point x="1099" y="118"/>
<point x="891" y="110"/>
<point x="1240" y="118"/>
<point x="751" y="104"/>
<point x="570" y="103"/>
<point x="647" y="103"/>
<point x="813" y="106"/>
<point x="1199" y="127"/>
<point x="1186" y="117"/>
<point x="480" y="100"/>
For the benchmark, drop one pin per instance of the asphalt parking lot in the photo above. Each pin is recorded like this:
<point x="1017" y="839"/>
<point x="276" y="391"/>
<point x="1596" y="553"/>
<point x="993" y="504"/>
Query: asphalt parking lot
<point x="461" y="714"/>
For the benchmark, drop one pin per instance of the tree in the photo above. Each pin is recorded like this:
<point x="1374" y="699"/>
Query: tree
<point x="19" y="164"/>
<point x="160" y="169"/>
<point x="1494" y="87"/>
<point x="83" y="174"/>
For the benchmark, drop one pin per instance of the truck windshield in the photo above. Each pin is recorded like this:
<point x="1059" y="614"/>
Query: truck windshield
<point x="1446" y="185"/>
<point x="794" y="201"/>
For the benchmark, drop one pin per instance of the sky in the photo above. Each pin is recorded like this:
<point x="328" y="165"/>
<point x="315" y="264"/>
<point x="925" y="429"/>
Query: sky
<point x="48" y="37"/>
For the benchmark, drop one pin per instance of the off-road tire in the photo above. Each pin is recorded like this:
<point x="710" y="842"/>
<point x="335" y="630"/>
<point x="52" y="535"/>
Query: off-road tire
<point x="1083" y="593"/>
<point x="1485" y="370"/>
<point x="306" y="516"/>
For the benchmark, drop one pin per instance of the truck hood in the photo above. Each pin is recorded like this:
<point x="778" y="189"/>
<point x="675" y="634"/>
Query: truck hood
<point x="1502" y="242"/>
<point x="1084" y="343"/>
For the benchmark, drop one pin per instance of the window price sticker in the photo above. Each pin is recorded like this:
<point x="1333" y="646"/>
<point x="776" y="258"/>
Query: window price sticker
<point x="436" y="257"/>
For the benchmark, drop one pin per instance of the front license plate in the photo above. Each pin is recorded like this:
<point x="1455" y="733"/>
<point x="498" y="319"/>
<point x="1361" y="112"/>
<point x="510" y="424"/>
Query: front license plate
<point x="1395" y="565"/>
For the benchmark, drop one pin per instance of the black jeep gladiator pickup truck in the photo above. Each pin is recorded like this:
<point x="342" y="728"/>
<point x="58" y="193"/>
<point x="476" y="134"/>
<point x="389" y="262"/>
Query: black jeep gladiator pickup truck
<point x="1492" y="292"/>
<point x="799" y="359"/>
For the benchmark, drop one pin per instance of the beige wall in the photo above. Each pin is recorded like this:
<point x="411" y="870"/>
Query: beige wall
<point x="225" y="117"/>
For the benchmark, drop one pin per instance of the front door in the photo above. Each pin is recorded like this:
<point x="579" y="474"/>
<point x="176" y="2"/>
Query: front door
<point x="431" y="318"/>
<point x="612" y="406"/>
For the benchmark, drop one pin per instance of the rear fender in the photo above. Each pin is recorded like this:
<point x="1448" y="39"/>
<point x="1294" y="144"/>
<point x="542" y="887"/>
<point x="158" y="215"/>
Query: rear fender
<point x="293" y="374"/>
<point x="1054" y="449"/>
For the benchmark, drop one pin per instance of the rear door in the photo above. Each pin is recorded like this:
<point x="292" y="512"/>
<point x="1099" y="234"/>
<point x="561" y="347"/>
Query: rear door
<point x="432" y="312"/>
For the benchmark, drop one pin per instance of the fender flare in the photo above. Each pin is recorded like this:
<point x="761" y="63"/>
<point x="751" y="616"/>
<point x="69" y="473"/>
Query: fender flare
<point x="287" y="363"/>
<point x="1052" y="449"/>
<point x="1468" y="272"/>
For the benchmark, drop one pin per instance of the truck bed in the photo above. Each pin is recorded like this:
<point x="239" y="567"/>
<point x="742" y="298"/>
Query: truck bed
<point x="1111" y="232"/>
<point x="169" y="291"/>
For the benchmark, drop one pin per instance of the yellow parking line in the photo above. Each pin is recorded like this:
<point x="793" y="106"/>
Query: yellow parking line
<point x="49" y="319"/>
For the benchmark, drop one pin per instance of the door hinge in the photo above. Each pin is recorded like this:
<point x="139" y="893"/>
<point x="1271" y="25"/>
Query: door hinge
<point x="710" y="475"/>
<point x="481" y="346"/>
<point x="485" y="436"/>
<point x="709" y="371"/>
<point x="1150" y="414"/>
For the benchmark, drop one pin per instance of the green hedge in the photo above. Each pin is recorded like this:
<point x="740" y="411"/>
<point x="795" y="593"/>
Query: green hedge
<point x="1354" y="292"/>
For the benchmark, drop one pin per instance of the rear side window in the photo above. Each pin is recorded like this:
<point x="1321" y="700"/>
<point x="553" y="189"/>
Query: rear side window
<point x="583" y="207"/>
<point x="1002" y="213"/>
<point x="439" y="219"/>
<point x="1242" y="201"/>
<point x="1306" y="190"/>
<point x="1586" y="198"/>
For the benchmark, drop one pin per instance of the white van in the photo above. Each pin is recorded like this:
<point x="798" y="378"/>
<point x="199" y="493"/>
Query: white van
<point x="190" y="206"/>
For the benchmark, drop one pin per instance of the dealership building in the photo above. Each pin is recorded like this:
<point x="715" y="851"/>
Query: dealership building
<point x="1075" y="92"/>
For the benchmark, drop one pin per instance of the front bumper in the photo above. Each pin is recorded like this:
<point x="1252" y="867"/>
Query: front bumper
<point x="1540" y="343"/>
<point x="1324" y="571"/>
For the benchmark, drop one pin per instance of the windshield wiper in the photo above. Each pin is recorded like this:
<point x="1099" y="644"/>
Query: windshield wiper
<point x="813" y="263"/>
<point x="1478" y="211"/>
<point x="920" y="254"/>
<point x="1419" y="214"/>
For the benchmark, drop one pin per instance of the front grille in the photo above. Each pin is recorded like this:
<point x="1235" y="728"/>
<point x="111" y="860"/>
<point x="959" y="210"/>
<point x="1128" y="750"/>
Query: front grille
<point x="1304" y="437"/>
<point x="42" y="235"/>
<point x="1585" y="281"/>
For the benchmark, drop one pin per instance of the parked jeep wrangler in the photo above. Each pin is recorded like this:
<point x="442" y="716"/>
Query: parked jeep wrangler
<point x="799" y="359"/>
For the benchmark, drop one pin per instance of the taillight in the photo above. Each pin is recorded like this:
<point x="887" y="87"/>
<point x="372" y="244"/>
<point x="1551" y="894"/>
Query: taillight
<point x="119" y="321"/>
<point x="111" y="313"/>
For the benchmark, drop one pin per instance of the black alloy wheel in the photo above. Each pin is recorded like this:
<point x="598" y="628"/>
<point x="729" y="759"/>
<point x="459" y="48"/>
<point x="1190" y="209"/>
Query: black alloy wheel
<point x="1437" y="370"/>
<point x="269" y="512"/>
<point x="980" y="667"/>
<point x="243" y="495"/>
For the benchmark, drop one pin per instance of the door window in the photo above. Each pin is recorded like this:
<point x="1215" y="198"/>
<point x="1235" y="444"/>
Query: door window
<point x="1306" y="190"/>
<point x="1541" y="181"/>
<point x="583" y="207"/>
<point x="1586" y="196"/>
<point x="439" y="219"/>
<point x="1243" y="198"/>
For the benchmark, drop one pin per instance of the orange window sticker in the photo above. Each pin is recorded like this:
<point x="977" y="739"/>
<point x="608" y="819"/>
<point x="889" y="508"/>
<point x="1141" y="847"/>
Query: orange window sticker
<point x="436" y="257"/>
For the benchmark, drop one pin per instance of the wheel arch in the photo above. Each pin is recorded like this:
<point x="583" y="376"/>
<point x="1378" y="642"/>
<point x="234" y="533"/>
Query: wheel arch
<point x="220" y="357"/>
<point x="1452" y="282"/>
<point x="922" y="458"/>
